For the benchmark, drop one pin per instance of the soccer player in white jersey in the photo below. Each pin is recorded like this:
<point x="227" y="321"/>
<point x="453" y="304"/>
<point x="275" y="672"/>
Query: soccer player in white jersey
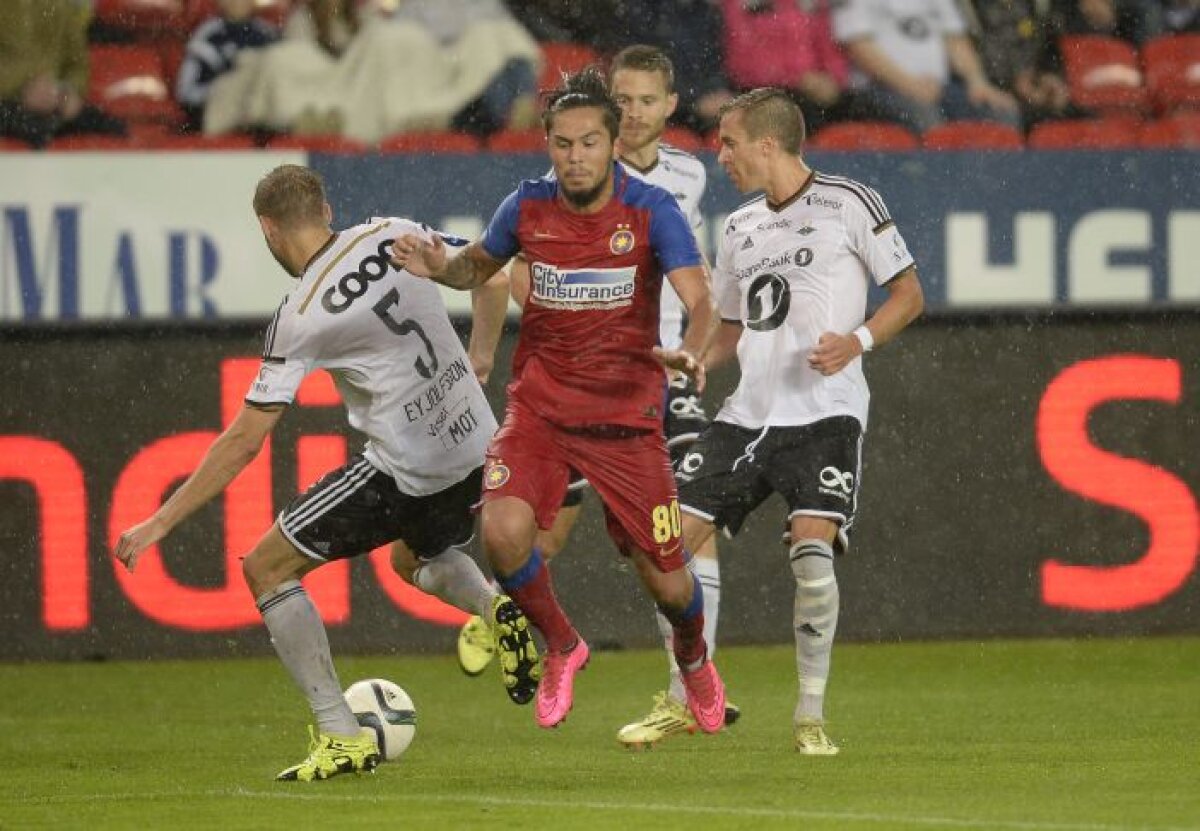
<point x="642" y="82"/>
<point x="791" y="278"/>
<point x="408" y="386"/>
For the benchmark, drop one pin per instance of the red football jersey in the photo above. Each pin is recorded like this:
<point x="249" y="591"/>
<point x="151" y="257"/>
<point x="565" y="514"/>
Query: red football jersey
<point x="584" y="353"/>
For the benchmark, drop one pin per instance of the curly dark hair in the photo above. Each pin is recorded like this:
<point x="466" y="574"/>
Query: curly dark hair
<point x="586" y="88"/>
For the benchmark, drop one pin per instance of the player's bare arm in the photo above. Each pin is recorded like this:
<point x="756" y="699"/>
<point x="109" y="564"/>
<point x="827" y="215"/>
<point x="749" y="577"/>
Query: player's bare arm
<point x="489" y="306"/>
<point x="226" y="458"/>
<point x="695" y="290"/>
<point x="724" y="344"/>
<point x="427" y="258"/>
<point x="904" y="303"/>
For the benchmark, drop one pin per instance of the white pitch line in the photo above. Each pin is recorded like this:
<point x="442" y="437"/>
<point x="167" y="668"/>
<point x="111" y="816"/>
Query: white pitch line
<point x="624" y="807"/>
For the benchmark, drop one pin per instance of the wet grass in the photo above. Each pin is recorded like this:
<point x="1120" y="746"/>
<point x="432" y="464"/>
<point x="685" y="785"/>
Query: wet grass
<point x="1057" y="735"/>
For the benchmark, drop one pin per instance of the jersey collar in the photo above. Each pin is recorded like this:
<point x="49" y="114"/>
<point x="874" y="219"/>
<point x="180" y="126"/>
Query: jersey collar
<point x="316" y="256"/>
<point x="812" y="174"/>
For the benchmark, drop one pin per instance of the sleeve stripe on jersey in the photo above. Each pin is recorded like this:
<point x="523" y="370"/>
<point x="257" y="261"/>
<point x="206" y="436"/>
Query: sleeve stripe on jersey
<point x="901" y="272"/>
<point x="879" y="229"/>
<point x="870" y="200"/>
<point x="349" y="247"/>
<point x="269" y="344"/>
<point x="274" y="359"/>
<point x="868" y="194"/>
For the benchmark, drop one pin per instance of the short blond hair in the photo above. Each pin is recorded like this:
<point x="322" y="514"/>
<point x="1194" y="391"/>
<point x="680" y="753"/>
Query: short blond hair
<point x="769" y="111"/>
<point x="291" y="195"/>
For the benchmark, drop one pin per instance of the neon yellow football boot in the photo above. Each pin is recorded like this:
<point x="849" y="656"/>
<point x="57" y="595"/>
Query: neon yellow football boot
<point x="330" y="755"/>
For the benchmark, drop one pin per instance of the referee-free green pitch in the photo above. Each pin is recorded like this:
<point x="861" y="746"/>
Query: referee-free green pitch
<point x="1070" y="735"/>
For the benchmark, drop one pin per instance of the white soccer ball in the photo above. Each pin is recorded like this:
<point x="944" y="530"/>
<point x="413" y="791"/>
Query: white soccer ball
<point x="386" y="709"/>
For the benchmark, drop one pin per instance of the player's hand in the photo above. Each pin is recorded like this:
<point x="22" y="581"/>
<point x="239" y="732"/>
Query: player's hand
<point x="683" y="361"/>
<point x="419" y="256"/>
<point x="137" y="539"/>
<point x="482" y="366"/>
<point x="833" y="352"/>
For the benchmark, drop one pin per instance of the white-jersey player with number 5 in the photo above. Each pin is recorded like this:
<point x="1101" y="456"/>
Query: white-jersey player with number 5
<point x="408" y="385"/>
<point x="791" y="278"/>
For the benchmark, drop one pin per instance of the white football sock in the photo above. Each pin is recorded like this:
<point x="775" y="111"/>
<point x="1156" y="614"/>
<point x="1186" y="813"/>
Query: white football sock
<point x="454" y="577"/>
<point x="298" y="636"/>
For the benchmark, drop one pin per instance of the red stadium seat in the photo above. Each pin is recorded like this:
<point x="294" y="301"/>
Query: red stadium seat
<point x="1180" y="130"/>
<point x="973" y="135"/>
<point x="1173" y="71"/>
<point x="319" y="144"/>
<point x="196" y="141"/>
<point x="88" y="143"/>
<point x="1102" y="73"/>
<point x="1112" y="133"/>
<point x="9" y="145"/>
<point x="684" y="139"/>
<point x="532" y="140"/>
<point x="143" y="19"/>
<point x="436" y="141"/>
<point x="864" y="135"/>
<point x="564" y="57"/>
<point x="128" y="82"/>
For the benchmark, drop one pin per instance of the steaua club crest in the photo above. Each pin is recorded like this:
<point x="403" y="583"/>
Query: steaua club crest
<point x="496" y="475"/>
<point x="622" y="240"/>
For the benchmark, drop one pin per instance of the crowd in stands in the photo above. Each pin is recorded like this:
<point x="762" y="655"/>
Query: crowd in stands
<point x="465" y="74"/>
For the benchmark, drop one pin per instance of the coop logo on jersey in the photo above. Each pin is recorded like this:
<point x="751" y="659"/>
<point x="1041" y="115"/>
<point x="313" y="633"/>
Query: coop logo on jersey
<point x="496" y="475"/>
<point x="582" y="289"/>
<point x="622" y="240"/>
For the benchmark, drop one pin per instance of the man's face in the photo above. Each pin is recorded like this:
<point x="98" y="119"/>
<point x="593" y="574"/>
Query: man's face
<point x="581" y="151"/>
<point x="742" y="157"/>
<point x="645" y="106"/>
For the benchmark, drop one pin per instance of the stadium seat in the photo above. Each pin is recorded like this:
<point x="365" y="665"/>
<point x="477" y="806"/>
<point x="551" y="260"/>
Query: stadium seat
<point x="436" y="141"/>
<point x="1098" y="134"/>
<point x="1179" y="130"/>
<point x="319" y="144"/>
<point x="973" y="135"/>
<point x="532" y="140"/>
<point x="88" y="143"/>
<point x="684" y="139"/>
<point x="564" y="57"/>
<point x="10" y="145"/>
<point x="1102" y="73"/>
<point x="1173" y="71"/>
<point x="128" y="82"/>
<point x="864" y="135"/>
<point x="143" y="20"/>
<point x="197" y="141"/>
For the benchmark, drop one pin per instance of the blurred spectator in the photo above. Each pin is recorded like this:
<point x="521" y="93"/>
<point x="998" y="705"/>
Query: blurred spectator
<point x="1181" y="16"/>
<point x="904" y="54"/>
<point x="787" y="44"/>
<point x="1135" y="21"/>
<point x="1016" y="47"/>
<point x="690" y="31"/>
<point x="386" y="68"/>
<point x="211" y="52"/>
<point x="44" y="73"/>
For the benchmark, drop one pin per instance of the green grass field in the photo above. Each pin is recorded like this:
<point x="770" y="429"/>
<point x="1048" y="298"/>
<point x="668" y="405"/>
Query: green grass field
<point x="1055" y="735"/>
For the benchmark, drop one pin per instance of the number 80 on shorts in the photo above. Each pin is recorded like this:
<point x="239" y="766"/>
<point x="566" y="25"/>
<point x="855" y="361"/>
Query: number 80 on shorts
<point x="668" y="524"/>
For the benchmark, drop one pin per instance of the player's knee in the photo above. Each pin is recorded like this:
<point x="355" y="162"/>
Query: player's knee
<point x="259" y="577"/>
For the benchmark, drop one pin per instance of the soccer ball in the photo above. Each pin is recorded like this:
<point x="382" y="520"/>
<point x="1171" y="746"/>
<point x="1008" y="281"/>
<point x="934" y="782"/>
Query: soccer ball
<point x="387" y="710"/>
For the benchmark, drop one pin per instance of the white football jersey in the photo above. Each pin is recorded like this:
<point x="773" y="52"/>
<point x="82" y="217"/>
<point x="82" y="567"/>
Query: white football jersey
<point x="401" y="370"/>
<point x="789" y="273"/>
<point x="684" y="177"/>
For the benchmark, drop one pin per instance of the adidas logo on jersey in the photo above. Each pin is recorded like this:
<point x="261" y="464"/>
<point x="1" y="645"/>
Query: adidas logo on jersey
<point x="749" y="243"/>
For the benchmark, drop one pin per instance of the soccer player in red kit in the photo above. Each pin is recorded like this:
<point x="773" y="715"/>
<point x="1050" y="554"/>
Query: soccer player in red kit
<point x="588" y="380"/>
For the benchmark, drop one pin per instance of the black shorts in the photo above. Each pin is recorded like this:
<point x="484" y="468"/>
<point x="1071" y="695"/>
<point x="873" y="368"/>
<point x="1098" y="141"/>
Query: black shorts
<point x="731" y="470"/>
<point x="357" y="508"/>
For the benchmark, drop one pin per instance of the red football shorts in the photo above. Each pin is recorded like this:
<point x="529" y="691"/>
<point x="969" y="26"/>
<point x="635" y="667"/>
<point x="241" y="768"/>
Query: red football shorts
<point x="531" y="459"/>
